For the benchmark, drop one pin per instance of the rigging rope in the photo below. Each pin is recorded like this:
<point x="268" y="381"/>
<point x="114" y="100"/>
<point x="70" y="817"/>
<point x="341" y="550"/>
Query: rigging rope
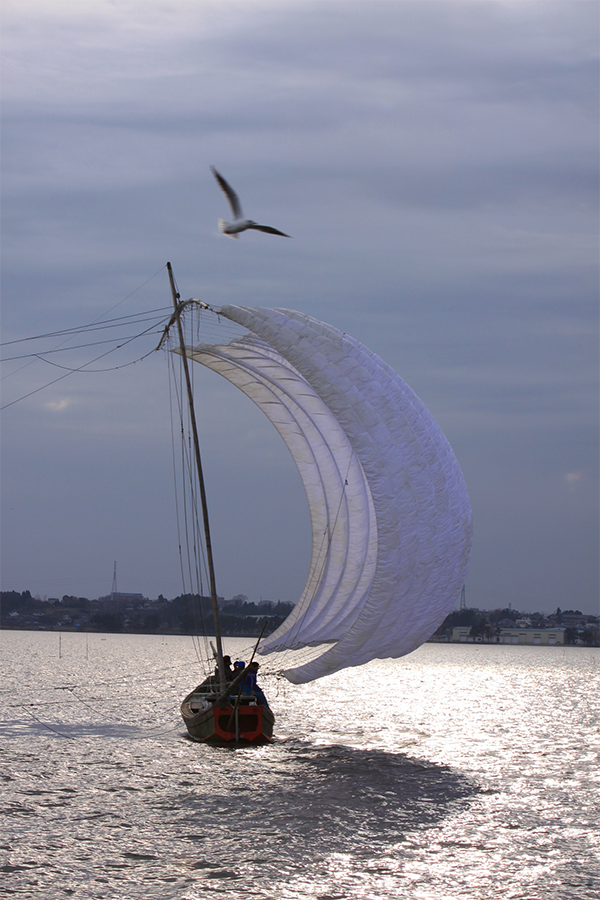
<point x="101" y="356"/>
<point x="117" y="322"/>
<point x="194" y="559"/>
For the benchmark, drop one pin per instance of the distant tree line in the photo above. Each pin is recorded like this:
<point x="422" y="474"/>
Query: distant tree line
<point x="192" y="614"/>
<point x="185" y="614"/>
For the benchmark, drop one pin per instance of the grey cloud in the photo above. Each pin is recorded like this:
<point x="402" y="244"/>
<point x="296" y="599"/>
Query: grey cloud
<point x="436" y="164"/>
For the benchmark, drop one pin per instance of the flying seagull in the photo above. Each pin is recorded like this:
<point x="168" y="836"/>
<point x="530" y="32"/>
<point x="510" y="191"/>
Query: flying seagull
<point x="240" y="223"/>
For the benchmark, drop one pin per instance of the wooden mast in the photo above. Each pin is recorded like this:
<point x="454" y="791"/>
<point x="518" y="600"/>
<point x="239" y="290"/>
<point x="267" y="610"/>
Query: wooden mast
<point x="209" y="556"/>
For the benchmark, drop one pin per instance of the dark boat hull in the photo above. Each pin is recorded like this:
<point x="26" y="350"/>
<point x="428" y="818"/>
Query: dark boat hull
<point x="249" y="724"/>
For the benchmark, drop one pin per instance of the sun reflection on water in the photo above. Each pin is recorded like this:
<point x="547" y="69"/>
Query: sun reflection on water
<point x="456" y="772"/>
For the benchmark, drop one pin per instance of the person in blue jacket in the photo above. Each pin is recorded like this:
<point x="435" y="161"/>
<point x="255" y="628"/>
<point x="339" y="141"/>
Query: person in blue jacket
<point x="249" y="685"/>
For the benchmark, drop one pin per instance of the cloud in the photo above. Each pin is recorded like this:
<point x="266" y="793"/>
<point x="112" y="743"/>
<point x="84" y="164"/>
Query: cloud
<point x="58" y="405"/>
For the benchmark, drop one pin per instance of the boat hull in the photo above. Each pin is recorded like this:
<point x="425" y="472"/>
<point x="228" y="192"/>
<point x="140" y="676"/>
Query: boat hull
<point x="249" y="724"/>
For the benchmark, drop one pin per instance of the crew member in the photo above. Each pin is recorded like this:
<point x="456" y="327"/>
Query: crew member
<point x="226" y="669"/>
<point x="249" y="685"/>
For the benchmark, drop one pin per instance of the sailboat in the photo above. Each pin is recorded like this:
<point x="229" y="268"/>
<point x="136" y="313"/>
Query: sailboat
<point x="390" y="513"/>
<point x="228" y="716"/>
<point x="220" y="710"/>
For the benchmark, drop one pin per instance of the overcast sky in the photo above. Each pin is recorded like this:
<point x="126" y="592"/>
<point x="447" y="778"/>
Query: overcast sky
<point x="436" y="164"/>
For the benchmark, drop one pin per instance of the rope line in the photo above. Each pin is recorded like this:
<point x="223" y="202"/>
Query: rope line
<point x="117" y="322"/>
<point x="84" y="366"/>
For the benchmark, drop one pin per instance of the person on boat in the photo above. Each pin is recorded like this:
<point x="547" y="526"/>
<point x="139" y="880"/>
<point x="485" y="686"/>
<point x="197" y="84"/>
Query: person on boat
<point x="238" y="668"/>
<point x="226" y="668"/>
<point x="249" y="685"/>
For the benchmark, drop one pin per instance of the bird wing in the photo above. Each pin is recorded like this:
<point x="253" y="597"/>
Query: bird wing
<point x="231" y="195"/>
<point x="268" y="230"/>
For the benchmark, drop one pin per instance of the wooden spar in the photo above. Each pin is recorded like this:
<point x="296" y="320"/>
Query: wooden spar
<point x="209" y="556"/>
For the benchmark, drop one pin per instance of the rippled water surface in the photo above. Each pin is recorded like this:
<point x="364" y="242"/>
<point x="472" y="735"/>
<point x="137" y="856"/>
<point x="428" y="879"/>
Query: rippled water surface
<point x="456" y="772"/>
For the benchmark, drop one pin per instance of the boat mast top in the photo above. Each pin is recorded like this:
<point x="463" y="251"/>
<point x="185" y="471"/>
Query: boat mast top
<point x="203" y="503"/>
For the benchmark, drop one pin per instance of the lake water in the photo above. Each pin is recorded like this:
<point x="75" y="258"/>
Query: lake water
<point x="456" y="772"/>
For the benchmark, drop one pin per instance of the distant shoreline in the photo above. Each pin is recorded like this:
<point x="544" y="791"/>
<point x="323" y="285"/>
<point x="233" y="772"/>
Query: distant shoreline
<point x="255" y="633"/>
<point x="135" y="614"/>
<point x="252" y="631"/>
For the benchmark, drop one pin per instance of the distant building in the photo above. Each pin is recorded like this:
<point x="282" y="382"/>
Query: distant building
<point x="119" y="599"/>
<point x="574" y="620"/>
<point x="235" y="601"/>
<point x="543" y="636"/>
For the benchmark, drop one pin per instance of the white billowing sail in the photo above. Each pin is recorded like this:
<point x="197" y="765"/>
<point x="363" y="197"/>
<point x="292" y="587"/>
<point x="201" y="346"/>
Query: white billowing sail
<point x="390" y="514"/>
